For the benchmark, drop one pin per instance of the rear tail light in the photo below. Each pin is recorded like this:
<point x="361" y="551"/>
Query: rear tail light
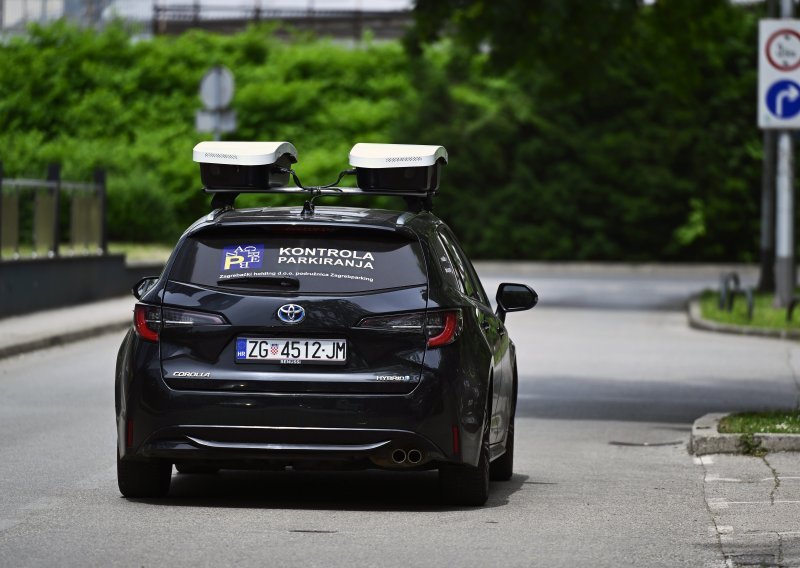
<point x="399" y="322"/>
<point x="440" y="327"/>
<point x="183" y="318"/>
<point x="149" y="320"/>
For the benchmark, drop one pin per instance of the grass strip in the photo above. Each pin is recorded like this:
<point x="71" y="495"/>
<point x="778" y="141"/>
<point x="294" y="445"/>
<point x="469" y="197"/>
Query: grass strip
<point x="765" y="315"/>
<point x="773" y="422"/>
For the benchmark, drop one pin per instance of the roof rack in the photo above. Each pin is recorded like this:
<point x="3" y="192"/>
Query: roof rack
<point x="228" y="169"/>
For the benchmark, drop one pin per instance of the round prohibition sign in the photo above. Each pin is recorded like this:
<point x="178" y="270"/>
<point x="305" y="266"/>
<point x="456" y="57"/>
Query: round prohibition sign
<point x="783" y="50"/>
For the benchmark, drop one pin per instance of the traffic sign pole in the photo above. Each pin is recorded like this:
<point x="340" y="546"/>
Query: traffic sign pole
<point x="766" y="280"/>
<point x="785" y="273"/>
<point x="779" y="111"/>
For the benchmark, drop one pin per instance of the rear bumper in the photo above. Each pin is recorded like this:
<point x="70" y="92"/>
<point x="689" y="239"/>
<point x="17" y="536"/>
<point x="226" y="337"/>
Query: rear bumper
<point x="281" y="446"/>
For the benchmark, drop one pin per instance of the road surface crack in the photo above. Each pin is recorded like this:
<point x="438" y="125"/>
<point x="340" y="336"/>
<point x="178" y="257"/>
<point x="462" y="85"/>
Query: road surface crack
<point x="711" y="513"/>
<point x="775" y="478"/>
<point x="780" y="549"/>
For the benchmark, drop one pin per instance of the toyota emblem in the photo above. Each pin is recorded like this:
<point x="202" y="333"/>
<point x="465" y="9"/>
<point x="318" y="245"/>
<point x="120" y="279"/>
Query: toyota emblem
<point x="291" y="313"/>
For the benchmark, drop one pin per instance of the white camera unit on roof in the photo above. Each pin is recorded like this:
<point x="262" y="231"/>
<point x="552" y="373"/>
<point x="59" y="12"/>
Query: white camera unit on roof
<point x="243" y="153"/>
<point x="244" y="166"/>
<point x="404" y="168"/>
<point x="395" y="155"/>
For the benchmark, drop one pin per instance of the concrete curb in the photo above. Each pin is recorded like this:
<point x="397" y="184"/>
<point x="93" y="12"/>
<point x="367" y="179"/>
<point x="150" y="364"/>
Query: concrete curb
<point x="706" y="439"/>
<point x="697" y="321"/>
<point x="62" y="338"/>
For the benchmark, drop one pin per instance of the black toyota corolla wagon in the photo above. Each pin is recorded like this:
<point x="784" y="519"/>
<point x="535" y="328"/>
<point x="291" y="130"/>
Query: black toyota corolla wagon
<point x="335" y="337"/>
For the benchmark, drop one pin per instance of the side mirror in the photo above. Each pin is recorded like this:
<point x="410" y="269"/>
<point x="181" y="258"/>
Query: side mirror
<point x="514" y="298"/>
<point x="143" y="286"/>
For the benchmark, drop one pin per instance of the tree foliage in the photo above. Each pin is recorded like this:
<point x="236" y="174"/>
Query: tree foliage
<point x="576" y="130"/>
<point x="89" y="99"/>
<point x="594" y="130"/>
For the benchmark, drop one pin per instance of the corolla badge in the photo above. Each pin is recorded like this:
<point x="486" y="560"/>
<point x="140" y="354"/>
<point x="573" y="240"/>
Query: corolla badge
<point x="291" y="313"/>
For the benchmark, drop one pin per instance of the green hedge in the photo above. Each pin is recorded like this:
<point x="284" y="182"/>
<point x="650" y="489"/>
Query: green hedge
<point x="648" y="151"/>
<point x="91" y="99"/>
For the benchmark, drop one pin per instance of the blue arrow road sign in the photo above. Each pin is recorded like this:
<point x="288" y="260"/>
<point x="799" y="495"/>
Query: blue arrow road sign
<point x="783" y="99"/>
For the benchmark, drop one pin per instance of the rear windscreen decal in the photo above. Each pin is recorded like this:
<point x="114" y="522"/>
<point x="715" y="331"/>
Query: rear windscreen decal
<point x="326" y="257"/>
<point x="242" y="257"/>
<point x="307" y="263"/>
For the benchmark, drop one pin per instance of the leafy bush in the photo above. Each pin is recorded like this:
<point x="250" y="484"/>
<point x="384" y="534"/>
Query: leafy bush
<point x="89" y="99"/>
<point x="602" y="130"/>
<point x="593" y="130"/>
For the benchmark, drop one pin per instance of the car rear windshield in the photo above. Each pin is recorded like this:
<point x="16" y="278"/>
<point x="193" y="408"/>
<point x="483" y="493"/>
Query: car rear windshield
<point x="309" y="260"/>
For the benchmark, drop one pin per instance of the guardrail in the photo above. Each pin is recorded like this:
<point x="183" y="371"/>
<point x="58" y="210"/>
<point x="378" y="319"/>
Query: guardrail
<point x="33" y="214"/>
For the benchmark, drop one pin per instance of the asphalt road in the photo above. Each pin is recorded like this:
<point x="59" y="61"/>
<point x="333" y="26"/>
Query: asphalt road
<point x="596" y="383"/>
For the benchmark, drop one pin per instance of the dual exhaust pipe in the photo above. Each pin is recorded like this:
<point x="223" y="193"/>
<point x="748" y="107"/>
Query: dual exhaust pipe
<point x="412" y="457"/>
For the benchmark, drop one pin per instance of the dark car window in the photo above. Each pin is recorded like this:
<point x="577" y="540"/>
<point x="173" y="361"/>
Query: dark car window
<point x="321" y="260"/>
<point x="448" y="266"/>
<point x="466" y="272"/>
<point x="457" y="263"/>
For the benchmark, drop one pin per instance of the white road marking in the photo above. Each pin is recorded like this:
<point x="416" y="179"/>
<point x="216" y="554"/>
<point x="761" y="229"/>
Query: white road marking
<point x="724" y="479"/>
<point x="718" y="503"/>
<point x="703" y="460"/>
<point x="763" y="502"/>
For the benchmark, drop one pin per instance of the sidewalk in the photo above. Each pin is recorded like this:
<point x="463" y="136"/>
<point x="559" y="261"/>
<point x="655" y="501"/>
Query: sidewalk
<point x="754" y="504"/>
<point x="21" y="334"/>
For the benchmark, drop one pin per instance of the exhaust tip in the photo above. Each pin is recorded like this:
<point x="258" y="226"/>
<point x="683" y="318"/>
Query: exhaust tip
<point x="398" y="456"/>
<point x="414" y="456"/>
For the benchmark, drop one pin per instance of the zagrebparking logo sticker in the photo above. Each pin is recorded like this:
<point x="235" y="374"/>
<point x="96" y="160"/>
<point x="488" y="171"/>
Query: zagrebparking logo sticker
<point x="242" y="257"/>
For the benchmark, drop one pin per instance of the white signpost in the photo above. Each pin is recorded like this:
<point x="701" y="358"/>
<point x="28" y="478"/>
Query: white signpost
<point x="216" y="92"/>
<point x="779" y="108"/>
<point x="779" y="74"/>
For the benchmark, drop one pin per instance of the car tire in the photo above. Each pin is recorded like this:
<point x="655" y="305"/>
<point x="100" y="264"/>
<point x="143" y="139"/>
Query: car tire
<point x="503" y="467"/>
<point x="143" y="478"/>
<point x="466" y="485"/>
<point x="198" y="469"/>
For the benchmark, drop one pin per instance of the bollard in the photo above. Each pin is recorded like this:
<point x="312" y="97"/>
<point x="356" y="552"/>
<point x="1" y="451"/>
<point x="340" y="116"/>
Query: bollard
<point x="54" y="175"/>
<point x="2" y="244"/>
<point x="100" y="182"/>
<point x="790" y="308"/>
<point x="748" y="296"/>
<point x="725" y="292"/>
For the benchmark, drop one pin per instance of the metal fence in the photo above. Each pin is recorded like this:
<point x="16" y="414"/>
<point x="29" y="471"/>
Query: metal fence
<point x="48" y="217"/>
<point x="176" y="16"/>
<point x="335" y="22"/>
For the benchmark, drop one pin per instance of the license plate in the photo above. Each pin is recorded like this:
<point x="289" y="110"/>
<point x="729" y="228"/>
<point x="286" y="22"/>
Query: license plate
<point x="291" y="351"/>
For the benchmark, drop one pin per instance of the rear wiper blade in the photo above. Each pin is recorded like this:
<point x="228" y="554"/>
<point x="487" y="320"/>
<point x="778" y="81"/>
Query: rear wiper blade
<point x="275" y="282"/>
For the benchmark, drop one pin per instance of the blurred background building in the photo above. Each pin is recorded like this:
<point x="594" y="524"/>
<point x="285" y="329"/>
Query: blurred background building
<point x="386" y="18"/>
